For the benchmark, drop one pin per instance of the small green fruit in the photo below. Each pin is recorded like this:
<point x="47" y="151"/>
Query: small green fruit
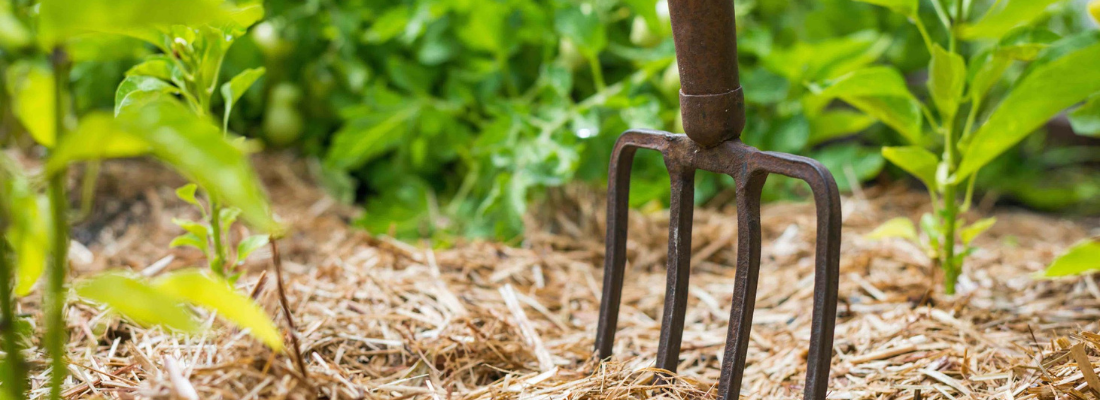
<point x="282" y="121"/>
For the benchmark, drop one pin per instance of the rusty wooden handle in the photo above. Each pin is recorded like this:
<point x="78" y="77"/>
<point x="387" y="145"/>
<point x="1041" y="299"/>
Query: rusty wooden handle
<point x="711" y="99"/>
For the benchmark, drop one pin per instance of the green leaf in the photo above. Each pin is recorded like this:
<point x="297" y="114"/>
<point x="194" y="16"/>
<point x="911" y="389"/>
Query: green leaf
<point x="364" y="138"/>
<point x="60" y="20"/>
<point x="137" y="301"/>
<point x="159" y="66"/>
<point x="99" y="136"/>
<point x="28" y="232"/>
<point x="985" y="70"/>
<point x="968" y="233"/>
<point x="187" y="193"/>
<point x="250" y="244"/>
<point x="946" y="80"/>
<point x="1085" y="120"/>
<point x="189" y="239"/>
<point x="907" y="8"/>
<point x="13" y="34"/>
<point x="834" y="124"/>
<point x="583" y="28"/>
<point x="914" y="160"/>
<point x="900" y="227"/>
<point x="139" y="90"/>
<point x="199" y="230"/>
<point x="827" y="58"/>
<point x="1026" y="43"/>
<point x="228" y="215"/>
<point x="32" y="94"/>
<point x="196" y="148"/>
<point x="214" y="293"/>
<point x="851" y="160"/>
<point x="1005" y="15"/>
<point x="1041" y="95"/>
<point x="235" y="88"/>
<point x="881" y="93"/>
<point x="1082" y="258"/>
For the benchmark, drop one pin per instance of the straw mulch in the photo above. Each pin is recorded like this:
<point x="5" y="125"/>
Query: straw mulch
<point x="380" y="318"/>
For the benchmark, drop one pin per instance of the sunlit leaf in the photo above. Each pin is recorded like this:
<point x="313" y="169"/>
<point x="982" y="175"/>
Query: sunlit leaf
<point x="1086" y="119"/>
<point x="228" y="215"/>
<point x="99" y="136"/>
<point x="1005" y="15"/>
<point x="13" y="34"/>
<point x="235" y="88"/>
<point x="1082" y="258"/>
<point x="214" y="293"/>
<point x="199" y="230"/>
<point x="1042" y="94"/>
<point x="28" y="232"/>
<point x="583" y="28"/>
<point x="62" y="19"/>
<point x="189" y="239"/>
<point x="139" y="90"/>
<point x="972" y="231"/>
<point x="138" y="301"/>
<point x="187" y="193"/>
<point x="914" y="160"/>
<point x="250" y="244"/>
<point x="946" y="79"/>
<point x="907" y="8"/>
<point x="835" y="124"/>
<point x="32" y="94"/>
<point x="160" y="66"/>
<point x="900" y="227"/>
<point x="985" y="70"/>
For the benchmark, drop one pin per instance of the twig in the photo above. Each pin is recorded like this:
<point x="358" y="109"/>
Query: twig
<point x="277" y="262"/>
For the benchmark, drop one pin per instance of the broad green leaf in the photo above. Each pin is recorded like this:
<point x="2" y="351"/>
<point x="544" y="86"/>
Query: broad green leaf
<point x="60" y="20"/>
<point x="235" y="88"/>
<point x="907" y="8"/>
<point x="583" y="28"/>
<point x="28" y="232"/>
<point x="138" y="90"/>
<point x="1004" y="16"/>
<point x="189" y="239"/>
<point x="1082" y="258"/>
<point x="1041" y="95"/>
<point x="250" y="244"/>
<point x="246" y="16"/>
<point x="138" y="301"/>
<point x="834" y="124"/>
<point x="160" y="66"/>
<point x="13" y="34"/>
<point x="881" y="93"/>
<point x="187" y="193"/>
<point x="946" y="80"/>
<point x="214" y="293"/>
<point x="1086" y="118"/>
<point x="1026" y="43"/>
<point x="362" y="139"/>
<point x="486" y="30"/>
<point x="388" y="25"/>
<point x="99" y="136"/>
<point x="985" y="70"/>
<point x="851" y="160"/>
<point x="196" y="148"/>
<point x="814" y="61"/>
<point x="972" y="231"/>
<point x="914" y="160"/>
<point x="32" y="94"/>
<point x="900" y="227"/>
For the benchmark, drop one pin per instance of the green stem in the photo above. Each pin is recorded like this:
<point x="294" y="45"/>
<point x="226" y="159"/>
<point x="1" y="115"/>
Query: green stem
<point x="13" y="365"/>
<point x="58" y="268"/>
<point x="87" y="192"/>
<point x="950" y="269"/>
<point x="218" y="262"/>
<point x="597" y="72"/>
<point x="923" y="33"/>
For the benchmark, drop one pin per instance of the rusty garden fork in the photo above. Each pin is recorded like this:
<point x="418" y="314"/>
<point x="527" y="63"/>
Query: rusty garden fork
<point x="713" y="111"/>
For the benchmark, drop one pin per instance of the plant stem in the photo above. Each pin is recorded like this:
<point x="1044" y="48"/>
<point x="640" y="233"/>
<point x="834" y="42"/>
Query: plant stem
<point x="59" y="249"/>
<point x="597" y="72"/>
<point x="950" y="269"/>
<point x="218" y="263"/>
<point x="87" y="191"/>
<point x="15" y="378"/>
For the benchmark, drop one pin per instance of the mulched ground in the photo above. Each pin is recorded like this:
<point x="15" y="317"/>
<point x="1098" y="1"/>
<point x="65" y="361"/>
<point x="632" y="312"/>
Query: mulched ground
<point x="381" y="318"/>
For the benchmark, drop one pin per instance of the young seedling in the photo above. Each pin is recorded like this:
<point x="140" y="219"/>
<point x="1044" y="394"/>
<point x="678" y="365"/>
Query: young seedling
<point x="966" y="126"/>
<point x="208" y="234"/>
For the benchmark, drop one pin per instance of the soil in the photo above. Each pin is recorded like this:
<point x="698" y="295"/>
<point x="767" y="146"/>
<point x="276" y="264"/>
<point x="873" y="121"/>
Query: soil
<point x="382" y="318"/>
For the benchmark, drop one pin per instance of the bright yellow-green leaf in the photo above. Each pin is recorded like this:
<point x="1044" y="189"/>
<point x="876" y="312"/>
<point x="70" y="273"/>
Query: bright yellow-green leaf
<point x="837" y="123"/>
<point x="250" y="244"/>
<point x="62" y="19"/>
<point x="28" y="232"/>
<point x="206" y="290"/>
<point x="946" y="79"/>
<point x="1042" y="94"/>
<point x="914" y="160"/>
<point x="1007" y="14"/>
<point x="972" y="231"/>
<point x="139" y="90"/>
<point x="1094" y="9"/>
<point x="195" y="147"/>
<point x="907" y="8"/>
<point x="13" y="34"/>
<point x="32" y="92"/>
<point x="138" y="301"/>
<point x="1082" y="258"/>
<point x="899" y="227"/>
<point x="235" y="88"/>
<point x="99" y="136"/>
<point x="187" y="193"/>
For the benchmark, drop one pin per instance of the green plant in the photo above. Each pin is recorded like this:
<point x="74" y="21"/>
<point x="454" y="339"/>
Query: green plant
<point x="38" y="95"/>
<point x="199" y="235"/>
<point x="966" y="123"/>
<point x="1080" y="259"/>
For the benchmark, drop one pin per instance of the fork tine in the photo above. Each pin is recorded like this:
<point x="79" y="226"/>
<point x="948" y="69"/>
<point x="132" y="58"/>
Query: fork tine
<point x="749" y="186"/>
<point x="681" y="209"/>
<point x="618" y="192"/>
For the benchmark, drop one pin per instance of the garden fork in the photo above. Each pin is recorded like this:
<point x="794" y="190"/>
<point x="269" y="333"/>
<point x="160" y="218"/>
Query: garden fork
<point x="713" y="110"/>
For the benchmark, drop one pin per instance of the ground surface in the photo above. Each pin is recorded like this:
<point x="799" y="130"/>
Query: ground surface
<point x="379" y="318"/>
